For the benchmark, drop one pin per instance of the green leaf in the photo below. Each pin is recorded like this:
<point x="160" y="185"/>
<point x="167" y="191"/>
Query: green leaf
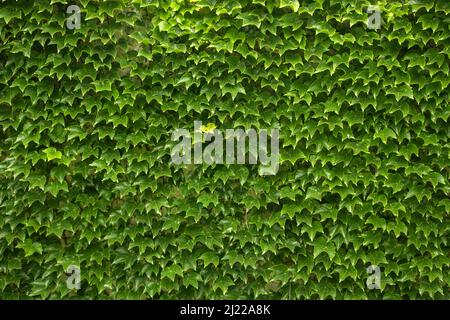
<point x="385" y="134"/>
<point x="172" y="271"/>
<point x="52" y="153"/>
<point x="321" y="245"/>
<point x="30" y="247"/>
<point x="209" y="258"/>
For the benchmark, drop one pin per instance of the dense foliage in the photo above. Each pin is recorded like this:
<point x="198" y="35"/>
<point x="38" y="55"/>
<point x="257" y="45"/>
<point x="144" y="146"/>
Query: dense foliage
<point x="86" y="117"/>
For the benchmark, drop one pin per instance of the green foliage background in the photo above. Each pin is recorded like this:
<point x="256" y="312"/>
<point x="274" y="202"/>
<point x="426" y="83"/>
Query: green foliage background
<point x="86" y="117"/>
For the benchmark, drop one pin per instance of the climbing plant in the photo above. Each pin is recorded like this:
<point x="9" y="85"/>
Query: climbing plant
<point x="91" y="91"/>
